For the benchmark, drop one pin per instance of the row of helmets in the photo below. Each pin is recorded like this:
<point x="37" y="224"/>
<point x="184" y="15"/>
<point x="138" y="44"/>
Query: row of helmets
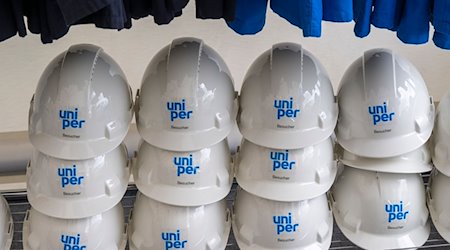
<point x="386" y="117"/>
<point x="79" y="170"/>
<point x="285" y="164"/>
<point x="185" y="110"/>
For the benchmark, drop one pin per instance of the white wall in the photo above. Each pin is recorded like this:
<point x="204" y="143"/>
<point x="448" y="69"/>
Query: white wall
<point x="23" y="59"/>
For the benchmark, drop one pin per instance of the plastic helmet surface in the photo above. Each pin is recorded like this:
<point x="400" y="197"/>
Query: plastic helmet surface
<point x="102" y="231"/>
<point x="190" y="178"/>
<point x="77" y="188"/>
<point x="187" y="99"/>
<point x="261" y="224"/>
<point x="287" y="100"/>
<point x="82" y="106"/>
<point x="286" y="175"/>
<point x="155" y="226"/>
<point x="384" y="106"/>
<point x="377" y="210"/>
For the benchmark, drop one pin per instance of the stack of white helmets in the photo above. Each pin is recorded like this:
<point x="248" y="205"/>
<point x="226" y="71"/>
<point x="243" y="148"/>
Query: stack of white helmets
<point x="286" y="164"/>
<point x="185" y="109"/>
<point x="385" y="119"/>
<point x="79" y="171"/>
<point x="438" y="198"/>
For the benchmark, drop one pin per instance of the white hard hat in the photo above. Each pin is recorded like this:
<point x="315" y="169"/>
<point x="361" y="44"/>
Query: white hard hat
<point x="287" y="99"/>
<point x="416" y="161"/>
<point x="440" y="146"/>
<point x="384" y="106"/>
<point x="6" y="225"/>
<point x="104" y="231"/>
<point x="381" y="210"/>
<point x="155" y="226"/>
<point x="187" y="99"/>
<point x="274" y="174"/>
<point x="77" y="188"/>
<point x="82" y="106"/>
<point x="439" y="202"/>
<point x="261" y="224"/>
<point x="189" y="178"/>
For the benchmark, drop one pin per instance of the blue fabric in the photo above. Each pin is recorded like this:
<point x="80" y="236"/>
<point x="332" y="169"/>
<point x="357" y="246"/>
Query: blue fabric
<point x="305" y="14"/>
<point x="387" y="13"/>
<point x="337" y="10"/>
<point x="362" y="10"/>
<point x="414" y="27"/>
<point x="250" y="16"/>
<point x="441" y="23"/>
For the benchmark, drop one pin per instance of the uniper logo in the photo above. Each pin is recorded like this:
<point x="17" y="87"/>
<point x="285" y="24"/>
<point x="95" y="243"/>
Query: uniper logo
<point x="284" y="223"/>
<point x="184" y="165"/>
<point x="69" y="176"/>
<point x="395" y="212"/>
<point x="285" y="108"/>
<point x="173" y="240"/>
<point x="69" y="119"/>
<point x="380" y="114"/>
<point x="72" y="242"/>
<point x="280" y="160"/>
<point x="178" y="110"/>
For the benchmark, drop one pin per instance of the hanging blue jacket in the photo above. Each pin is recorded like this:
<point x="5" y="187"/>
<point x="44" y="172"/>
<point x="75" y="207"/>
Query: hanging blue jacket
<point x="387" y="13"/>
<point x="362" y="10"/>
<point x="414" y="26"/>
<point x="250" y="16"/>
<point x="305" y="14"/>
<point x="337" y="10"/>
<point x="441" y="23"/>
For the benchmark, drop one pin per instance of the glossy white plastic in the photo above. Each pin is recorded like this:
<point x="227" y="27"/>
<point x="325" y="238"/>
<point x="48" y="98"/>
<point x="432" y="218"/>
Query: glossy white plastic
<point x="191" y="178"/>
<point x="82" y="106"/>
<point x="187" y="99"/>
<point x="155" y="226"/>
<point x="73" y="189"/>
<point x="287" y="100"/>
<point x="384" y="106"/>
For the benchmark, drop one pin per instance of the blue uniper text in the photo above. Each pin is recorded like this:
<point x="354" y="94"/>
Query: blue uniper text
<point x="69" y="176"/>
<point x="380" y="114"/>
<point x="69" y="119"/>
<point x="185" y="165"/>
<point x="173" y="240"/>
<point x="395" y="212"/>
<point x="72" y="242"/>
<point x="285" y="108"/>
<point x="284" y="224"/>
<point x="178" y="110"/>
<point x="280" y="160"/>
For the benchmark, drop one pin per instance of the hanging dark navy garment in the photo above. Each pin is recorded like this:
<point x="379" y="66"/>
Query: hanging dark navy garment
<point x="250" y="16"/>
<point x="207" y="9"/>
<point x="45" y="18"/>
<point x="163" y="11"/>
<point x="11" y="19"/>
<point x="441" y="23"/>
<point x="337" y="10"/>
<point x="113" y="16"/>
<point x="362" y="10"/>
<point x="75" y="10"/>
<point x="414" y="26"/>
